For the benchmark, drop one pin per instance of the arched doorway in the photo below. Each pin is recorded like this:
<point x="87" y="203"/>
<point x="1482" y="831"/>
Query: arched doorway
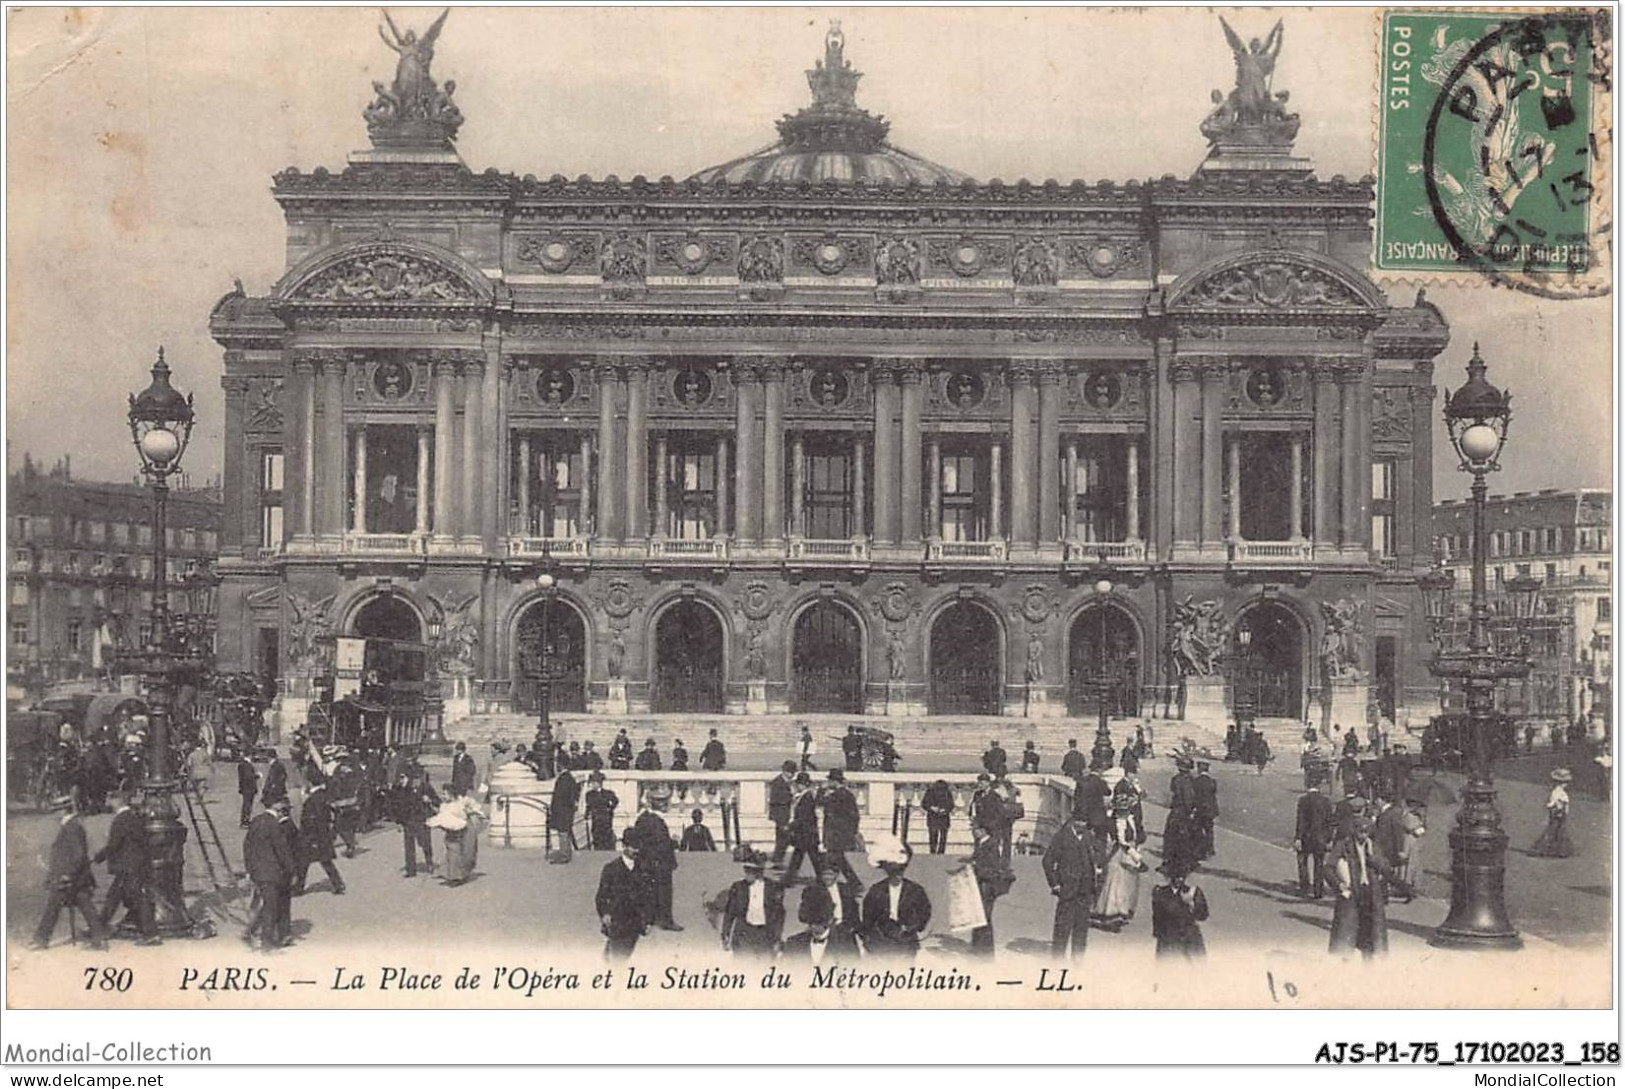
<point x="966" y="653"/>
<point x="1266" y="663"/>
<point x="1103" y="656"/>
<point x="688" y="661"/>
<point x="826" y="667"/>
<point x="562" y="656"/>
<point x="387" y="617"/>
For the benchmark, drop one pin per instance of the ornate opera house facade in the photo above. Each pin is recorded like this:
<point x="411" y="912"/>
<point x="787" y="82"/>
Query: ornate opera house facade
<point x="832" y="428"/>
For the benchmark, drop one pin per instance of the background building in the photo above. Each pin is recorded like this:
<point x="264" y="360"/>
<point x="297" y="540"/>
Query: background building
<point x="79" y="580"/>
<point x="832" y="428"/>
<point x="1561" y="538"/>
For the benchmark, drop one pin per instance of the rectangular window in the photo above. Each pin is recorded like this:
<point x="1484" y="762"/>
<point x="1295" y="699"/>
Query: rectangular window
<point x="828" y="498"/>
<point x="19" y="593"/>
<point x="19" y="632"/>
<point x="75" y="635"/>
<point x="691" y="487"/>
<point x="1551" y="572"/>
<point x="1605" y="609"/>
<point x="1100" y="494"/>
<point x="1495" y="545"/>
<point x="270" y="498"/>
<point x="1384" y="529"/>
<point x="963" y="497"/>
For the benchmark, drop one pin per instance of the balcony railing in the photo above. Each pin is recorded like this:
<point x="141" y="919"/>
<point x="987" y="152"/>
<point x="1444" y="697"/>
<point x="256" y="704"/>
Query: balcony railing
<point x="838" y="550"/>
<point x="706" y="549"/>
<point x="1271" y="553"/>
<point x="394" y="544"/>
<point x="1115" y="551"/>
<point x="966" y="552"/>
<point x="547" y="546"/>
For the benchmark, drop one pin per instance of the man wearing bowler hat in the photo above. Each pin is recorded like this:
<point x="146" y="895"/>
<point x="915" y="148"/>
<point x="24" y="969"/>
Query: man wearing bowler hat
<point x="840" y="826"/>
<point x="622" y="901"/>
<point x="753" y="920"/>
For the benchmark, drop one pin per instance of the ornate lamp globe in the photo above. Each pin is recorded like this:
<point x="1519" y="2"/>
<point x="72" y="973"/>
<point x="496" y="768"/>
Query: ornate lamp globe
<point x="545" y="581"/>
<point x="1436" y="587"/>
<point x="1102" y="575"/>
<point x="160" y="421"/>
<point x="1477" y="415"/>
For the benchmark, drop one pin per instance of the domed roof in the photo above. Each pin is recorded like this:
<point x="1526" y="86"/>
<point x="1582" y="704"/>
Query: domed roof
<point x="833" y="139"/>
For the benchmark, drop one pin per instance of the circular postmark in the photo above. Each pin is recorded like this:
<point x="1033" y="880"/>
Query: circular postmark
<point x="1510" y="159"/>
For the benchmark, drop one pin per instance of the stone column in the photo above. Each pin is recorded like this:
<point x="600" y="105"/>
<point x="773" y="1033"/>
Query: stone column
<point x="887" y="482"/>
<point x="1362" y="452"/>
<point x="1234" y="475"/>
<point x="798" y="486"/>
<point x="358" y="520"/>
<point x="637" y="451"/>
<point x="995" y="494"/>
<point x="1420" y="514"/>
<point x="1133" y="488"/>
<point x="330" y="458"/>
<point x="445" y="517"/>
<point x="586" y="485"/>
<point x="909" y="454"/>
<point x="420" y="516"/>
<point x="1187" y="460"/>
<point x="1296" y="516"/>
<point x="1353" y="487"/>
<point x="1023" y="527"/>
<point x="1326" y="459"/>
<point x="525" y="528"/>
<point x="722" y="486"/>
<point x="1050" y="393"/>
<point x="860" y="506"/>
<point x="1160" y="449"/>
<point x="773" y="452"/>
<point x="236" y="529"/>
<point x="933" y="455"/>
<point x="473" y="435"/>
<point x="607" y="526"/>
<point x="747" y="454"/>
<point x="299" y="468"/>
<point x="494" y="450"/>
<point x="661" y="478"/>
<point x="1069" y="492"/>
<point x="1214" y="373"/>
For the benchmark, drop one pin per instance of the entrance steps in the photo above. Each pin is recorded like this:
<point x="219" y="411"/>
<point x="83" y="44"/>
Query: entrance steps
<point x="769" y="738"/>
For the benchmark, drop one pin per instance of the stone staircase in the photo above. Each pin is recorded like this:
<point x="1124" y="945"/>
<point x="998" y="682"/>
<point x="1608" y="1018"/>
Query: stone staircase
<point x="919" y="740"/>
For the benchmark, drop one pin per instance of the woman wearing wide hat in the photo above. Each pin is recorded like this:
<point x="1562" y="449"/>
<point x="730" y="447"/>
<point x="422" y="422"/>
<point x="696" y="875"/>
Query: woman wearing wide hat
<point x="1120" y="891"/>
<point x="1554" y="842"/>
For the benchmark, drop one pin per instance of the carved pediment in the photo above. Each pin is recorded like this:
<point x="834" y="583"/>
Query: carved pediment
<point x="1273" y="281"/>
<point x="386" y="272"/>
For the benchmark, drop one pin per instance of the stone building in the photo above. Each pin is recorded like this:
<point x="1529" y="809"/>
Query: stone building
<point x="833" y="428"/>
<point x="1562" y="539"/>
<point x="80" y="571"/>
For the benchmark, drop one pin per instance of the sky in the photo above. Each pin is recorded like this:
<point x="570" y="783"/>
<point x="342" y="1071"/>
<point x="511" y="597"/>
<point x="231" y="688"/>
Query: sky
<point x="142" y="144"/>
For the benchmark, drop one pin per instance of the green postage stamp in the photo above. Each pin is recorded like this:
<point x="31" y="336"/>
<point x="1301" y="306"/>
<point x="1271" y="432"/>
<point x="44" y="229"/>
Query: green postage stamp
<point x="1494" y="146"/>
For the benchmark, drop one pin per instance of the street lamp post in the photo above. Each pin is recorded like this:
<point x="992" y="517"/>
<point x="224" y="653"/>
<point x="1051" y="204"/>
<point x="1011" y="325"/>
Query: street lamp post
<point x="1103" y="754"/>
<point x="544" y="685"/>
<point x="161" y="426"/>
<point x="1477" y="416"/>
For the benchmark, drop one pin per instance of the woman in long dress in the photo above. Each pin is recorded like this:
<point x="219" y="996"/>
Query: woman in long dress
<point x="1120" y="891"/>
<point x="1554" y="842"/>
<point x="462" y="819"/>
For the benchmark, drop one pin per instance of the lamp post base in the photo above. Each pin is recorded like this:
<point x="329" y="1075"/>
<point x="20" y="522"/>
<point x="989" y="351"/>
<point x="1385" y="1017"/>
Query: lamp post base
<point x="1478" y="916"/>
<point x="166" y="838"/>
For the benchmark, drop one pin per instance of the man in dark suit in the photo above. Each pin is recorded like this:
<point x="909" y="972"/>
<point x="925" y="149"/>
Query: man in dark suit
<point x="69" y="883"/>
<point x="714" y="757"/>
<point x="129" y="861"/>
<point x="896" y="912"/>
<point x="1029" y="759"/>
<point x="1092" y="801"/>
<point x="1388" y="832"/>
<point x="841" y="818"/>
<point x="1360" y="875"/>
<point x="316" y="840"/>
<point x="938" y="804"/>
<point x="1179" y="835"/>
<point x="657" y="860"/>
<point x="996" y="761"/>
<point x="276" y="783"/>
<point x="463" y="771"/>
<point x="805" y="827"/>
<point x="271" y="866"/>
<point x="415" y="802"/>
<point x="1073" y="764"/>
<point x="649" y="758"/>
<point x="561" y="812"/>
<point x="1071" y="867"/>
<point x="1313" y="836"/>
<point x="1129" y="761"/>
<point x="780" y="797"/>
<point x="622" y="901"/>
<point x="753" y="919"/>
<point x="600" y="803"/>
<point x="831" y="908"/>
<point x="248" y="785"/>
<point x="620" y="752"/>
<point x="852" y="749"/>
<point x="1207" y="808"/>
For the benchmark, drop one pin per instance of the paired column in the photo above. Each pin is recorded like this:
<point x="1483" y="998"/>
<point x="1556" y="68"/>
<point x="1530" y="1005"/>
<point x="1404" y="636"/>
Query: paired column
<point x="1296" y="518"/>
<point x="934" y="483"/>
<point x="722" y="486"/>
<point x="420" y="520"/>
<point x="1214" y="373"/>
<point x="662" y="517"/>
<point x="473" y="432"/>
<point x="1049" y="453"/>
<point x="913" y="396"/>
<point x="1133" y="513"/>
<point x="494" y="445"/>
<point x="1420" y="512"/>
<point x="445" y="520"/>
<point x="1023" y="527"/>
<point x="772" y="471"/>
<point x="1354" y="495"/>
<point x="860" y="508"/>
<point x="607" y="524"/>
<point x="798" y="486"/>
<point x="524" y="485"/>
<point x="747" y="454"/>
<point x="1326" y="460"/>
<point x="301" y="463"/>
<point x="995" y="491"/>
<point x="637" y="452"/>
<point x="1187" y="461"/>
<point x="586" y="486"/>
<point x="330" y="457"/>
<point x="1069" y="493"/>
<point x="887" y="482"/>
<point x="358" y="514"/>
<point x="236" y="529"/>
<point x="1163" y="497"/>
<point x="1234" y="486"/>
